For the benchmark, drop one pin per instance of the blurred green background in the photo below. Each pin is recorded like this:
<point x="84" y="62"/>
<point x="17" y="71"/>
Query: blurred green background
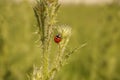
<point x="98" y="26"/>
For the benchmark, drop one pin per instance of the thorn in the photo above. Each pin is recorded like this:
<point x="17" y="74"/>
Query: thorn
<point x="83" y="45"/>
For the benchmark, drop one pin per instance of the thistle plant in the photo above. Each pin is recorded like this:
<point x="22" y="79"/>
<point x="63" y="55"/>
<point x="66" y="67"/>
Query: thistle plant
<point x="46" y="13"/>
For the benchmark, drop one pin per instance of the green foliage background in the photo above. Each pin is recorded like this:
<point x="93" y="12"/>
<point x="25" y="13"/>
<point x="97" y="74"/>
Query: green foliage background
<point x="99" y="26"/>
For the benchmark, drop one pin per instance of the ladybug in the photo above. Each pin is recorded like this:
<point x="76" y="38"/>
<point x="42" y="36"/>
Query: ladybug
<point x="57" y="38"/>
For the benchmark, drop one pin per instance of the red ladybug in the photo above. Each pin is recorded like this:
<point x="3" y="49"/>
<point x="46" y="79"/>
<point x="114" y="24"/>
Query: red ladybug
<point x="57" y="38"/>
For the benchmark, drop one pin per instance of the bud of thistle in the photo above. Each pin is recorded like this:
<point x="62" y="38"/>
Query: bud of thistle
<point x="64" y="31"/>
